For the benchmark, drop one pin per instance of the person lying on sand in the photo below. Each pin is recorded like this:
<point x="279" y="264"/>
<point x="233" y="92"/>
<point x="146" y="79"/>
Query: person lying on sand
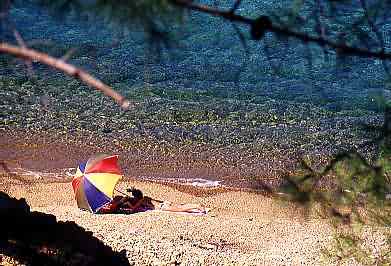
<point x="139" y="203"/>
<point x="125" y="205"/>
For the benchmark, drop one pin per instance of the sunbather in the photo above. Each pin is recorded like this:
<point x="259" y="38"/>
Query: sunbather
<point x="139" y="203"/>
<point x="127" y="205"/>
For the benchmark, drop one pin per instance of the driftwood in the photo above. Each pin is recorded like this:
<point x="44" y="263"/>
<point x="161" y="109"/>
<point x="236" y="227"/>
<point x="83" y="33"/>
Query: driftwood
<point x="60" y="64"/>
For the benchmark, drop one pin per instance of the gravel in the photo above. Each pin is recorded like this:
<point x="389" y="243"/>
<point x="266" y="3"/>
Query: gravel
<point x="242" y="228"/>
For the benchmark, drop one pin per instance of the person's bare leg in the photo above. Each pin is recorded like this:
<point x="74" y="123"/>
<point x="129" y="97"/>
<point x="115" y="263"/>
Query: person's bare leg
<point x="168" y="206"/>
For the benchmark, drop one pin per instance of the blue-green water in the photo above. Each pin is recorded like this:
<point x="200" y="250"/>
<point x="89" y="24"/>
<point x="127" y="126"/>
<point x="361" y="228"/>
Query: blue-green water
<point x="253" y="116"/>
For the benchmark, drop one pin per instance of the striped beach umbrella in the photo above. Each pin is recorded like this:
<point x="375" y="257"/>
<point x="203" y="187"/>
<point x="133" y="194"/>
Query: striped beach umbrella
<point x="94" y="182"/>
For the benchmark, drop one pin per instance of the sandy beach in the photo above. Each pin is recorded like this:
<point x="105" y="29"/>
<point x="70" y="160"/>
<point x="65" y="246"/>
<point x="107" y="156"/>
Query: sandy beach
<point x="241" y="229"/>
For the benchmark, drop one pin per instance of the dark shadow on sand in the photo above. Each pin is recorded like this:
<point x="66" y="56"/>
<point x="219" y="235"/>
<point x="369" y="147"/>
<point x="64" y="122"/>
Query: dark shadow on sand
<point x="36" y="238"/>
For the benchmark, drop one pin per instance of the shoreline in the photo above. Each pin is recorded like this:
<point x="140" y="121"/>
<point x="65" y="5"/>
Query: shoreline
<point x="28" y="177"/>
<point x="54" y="151"/>
<point x="49" y="154"/>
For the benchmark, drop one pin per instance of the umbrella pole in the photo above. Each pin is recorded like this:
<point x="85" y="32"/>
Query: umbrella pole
<point x="119" y="191"/>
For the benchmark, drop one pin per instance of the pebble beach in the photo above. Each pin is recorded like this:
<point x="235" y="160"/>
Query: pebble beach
<point x="242" y="228"/>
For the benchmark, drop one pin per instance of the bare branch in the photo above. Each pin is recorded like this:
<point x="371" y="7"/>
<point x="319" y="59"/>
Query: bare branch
<point x="68" y="69"/>
<point x="266" y="49"/>
<point x="68" y="54"/>
<point x="321" y="29"/>
<point x="246" y="50"/>
<point x="263" y="24"/>
<point x="22" y="44"/>
<point x="235" y="6"/>
<point x="188" y="4"/>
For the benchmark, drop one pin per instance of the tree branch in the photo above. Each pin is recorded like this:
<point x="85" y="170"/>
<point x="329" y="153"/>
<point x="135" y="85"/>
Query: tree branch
<point x="212" y="11"/>
<point x="68" y="69"/>
<point x="263" y="24"/>
<point x="235" y="6"/>
<point x="29" y="64"/>
<point x="246" y="50"/>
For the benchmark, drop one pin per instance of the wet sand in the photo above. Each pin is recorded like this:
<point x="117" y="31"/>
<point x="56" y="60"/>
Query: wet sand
<point x="60" y="154"/>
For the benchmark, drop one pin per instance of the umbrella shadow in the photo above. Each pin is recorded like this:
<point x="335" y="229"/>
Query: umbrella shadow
<point x="36" y="238"/>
